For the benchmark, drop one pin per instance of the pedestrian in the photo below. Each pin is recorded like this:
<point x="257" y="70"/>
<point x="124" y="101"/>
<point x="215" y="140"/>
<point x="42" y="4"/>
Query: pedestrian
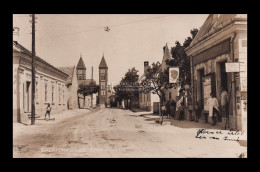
<point x="182" y="105"/>
<point x="213" y="108"/>
<point x="196" y="108"/>
<point x="173" y="106"/>
<point x="168" y="108"/>
<point x="163" y="108"/>
<point x="48" y="111"/>
<point x="224" y="102"/>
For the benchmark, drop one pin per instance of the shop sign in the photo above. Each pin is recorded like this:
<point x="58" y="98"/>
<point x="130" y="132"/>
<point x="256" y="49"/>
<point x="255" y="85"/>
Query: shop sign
<point x="173" y="74"/>
<point x="232" y="67"/>
<point x="212" y="52"/>
<point x="243" y="95"/>
<point x="243" y="84"/>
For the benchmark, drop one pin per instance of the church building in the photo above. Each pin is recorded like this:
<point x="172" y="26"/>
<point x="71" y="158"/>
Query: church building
<point x="103" y="80"/>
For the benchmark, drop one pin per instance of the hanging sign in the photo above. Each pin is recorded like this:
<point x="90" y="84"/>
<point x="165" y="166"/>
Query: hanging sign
<point x="232" y="67"/>
<point x="173" y="74"/>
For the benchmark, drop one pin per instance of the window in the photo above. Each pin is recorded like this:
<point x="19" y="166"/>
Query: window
<point x="103" y="92"/>
<point x="63" y="97"/>
<point x="36" y="92"/>
<point x="103" y="77"/>
<point x="102" y="71"/>
<point x="46" y="93"/>
<point x="102" y="85"/>
<point x="59" y="94"/>
<point x="170" y="96"/>
<point x="52" y="94"/>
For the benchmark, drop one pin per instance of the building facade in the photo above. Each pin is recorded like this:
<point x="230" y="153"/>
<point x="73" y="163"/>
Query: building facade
<point x="72" y="87"/>
<point x="172" y="93"/>
<point x="222" y="39"/>
<point x="50" y="85"/>
<point x="77" y="76"/>
<point x="144" y="99"/>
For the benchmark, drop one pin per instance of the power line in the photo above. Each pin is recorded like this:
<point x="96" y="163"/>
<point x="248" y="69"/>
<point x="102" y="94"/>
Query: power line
<point x="99" y="28"/>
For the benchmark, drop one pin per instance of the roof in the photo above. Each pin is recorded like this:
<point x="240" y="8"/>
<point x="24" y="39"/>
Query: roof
<point x="81" y="64"/>
<point x="214" y="23"/>
<point x="19" y="48"/>
<point x="69" y="71"/>
<point x="86" y="81"/>
<point x="103" y="63"/>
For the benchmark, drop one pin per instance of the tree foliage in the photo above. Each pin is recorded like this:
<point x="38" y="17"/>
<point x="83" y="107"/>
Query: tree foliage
<point x="181" y="59"/>
<point x="157" y="81"/>
<point x="128" y="86"/>
<point x="88" y="89"/>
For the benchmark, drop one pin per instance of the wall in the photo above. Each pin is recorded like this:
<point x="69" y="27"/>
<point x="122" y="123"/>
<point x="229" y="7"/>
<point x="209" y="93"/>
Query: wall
<point x="72" y="92"/>
<point x="21" y="75"/>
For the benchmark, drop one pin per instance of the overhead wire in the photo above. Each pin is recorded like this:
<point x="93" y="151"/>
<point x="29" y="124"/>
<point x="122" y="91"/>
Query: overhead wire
<point x="102" y="27"/>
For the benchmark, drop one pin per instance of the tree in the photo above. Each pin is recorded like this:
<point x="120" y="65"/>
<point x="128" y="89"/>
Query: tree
<point x="181" y="59"/>
<point x="157" y="81"/>
<point x="128" y="86"/>
<point x="88" y="89"/>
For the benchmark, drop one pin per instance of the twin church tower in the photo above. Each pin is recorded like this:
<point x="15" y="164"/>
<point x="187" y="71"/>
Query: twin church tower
<point x="103" y="79"/>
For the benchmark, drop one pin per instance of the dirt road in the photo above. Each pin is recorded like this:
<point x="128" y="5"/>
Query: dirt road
<point x="115" y="133"/>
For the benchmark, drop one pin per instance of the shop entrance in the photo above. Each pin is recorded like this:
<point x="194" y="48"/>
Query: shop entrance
<point x="223" y="75"/>
<point x="200" y="75"/>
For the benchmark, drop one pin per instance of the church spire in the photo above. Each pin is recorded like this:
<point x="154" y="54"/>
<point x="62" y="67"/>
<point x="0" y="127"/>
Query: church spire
<point x="81" y="64"/>
<point x="103" y="63"/>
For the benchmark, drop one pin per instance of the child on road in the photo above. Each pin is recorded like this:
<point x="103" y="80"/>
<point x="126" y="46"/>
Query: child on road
<point x="48" y="110"/>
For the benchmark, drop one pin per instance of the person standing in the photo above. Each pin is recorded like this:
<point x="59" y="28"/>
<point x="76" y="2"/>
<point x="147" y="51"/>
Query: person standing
<point x="168" y="108"/>
<point x="48" y="110"/>
<point x="196" y="108"/>
<point x="182" y="105"/>
<point x="224" y="103"/>
<point x="173" y="106"/>
<point x="213" y="108"/>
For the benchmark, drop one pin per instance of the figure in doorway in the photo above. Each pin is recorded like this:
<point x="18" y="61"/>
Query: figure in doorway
<point x="213" y="108"/>
<point x="197" y="112"/>
<point x="224" y="103"/>
<point x="173" y="108"/>
<point x="182" y="105"/>
<point x="168" y="108"/>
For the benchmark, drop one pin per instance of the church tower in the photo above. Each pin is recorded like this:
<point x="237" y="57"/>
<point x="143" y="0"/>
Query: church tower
<point x="103" y="79"/>
<point x="81" y="70"/>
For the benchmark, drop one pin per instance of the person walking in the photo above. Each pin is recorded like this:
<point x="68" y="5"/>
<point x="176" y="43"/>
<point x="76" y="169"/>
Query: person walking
<point x="163" y="111"/>
<point x="48" y="111"/>
<point x="224" y="101"/>
<point x="213" y="108"/>
<point x="181" y="108"/>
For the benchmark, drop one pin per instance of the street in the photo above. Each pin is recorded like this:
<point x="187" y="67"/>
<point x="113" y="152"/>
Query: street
<point x="114" y="133"/>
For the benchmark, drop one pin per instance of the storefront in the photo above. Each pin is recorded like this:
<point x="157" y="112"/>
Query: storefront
<point x="222" y="39"/>
<point x="49" y="85"/>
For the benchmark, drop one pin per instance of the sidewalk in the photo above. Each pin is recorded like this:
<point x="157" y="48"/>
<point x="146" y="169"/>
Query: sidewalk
<point x="57" y="117"/>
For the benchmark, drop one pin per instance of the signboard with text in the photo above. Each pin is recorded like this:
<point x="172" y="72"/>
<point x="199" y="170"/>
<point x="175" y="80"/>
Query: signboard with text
<point x="232" y="67"/>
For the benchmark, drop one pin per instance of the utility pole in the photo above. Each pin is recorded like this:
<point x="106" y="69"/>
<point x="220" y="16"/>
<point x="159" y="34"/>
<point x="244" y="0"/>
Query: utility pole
<point x="92" y="80"/>
<point x="33" y="71"/>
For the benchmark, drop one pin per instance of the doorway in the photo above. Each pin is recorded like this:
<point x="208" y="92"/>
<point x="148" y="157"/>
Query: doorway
<point x="27" y="93"/>
<point x="223" y="75"/>
<point x="200" y="100"/>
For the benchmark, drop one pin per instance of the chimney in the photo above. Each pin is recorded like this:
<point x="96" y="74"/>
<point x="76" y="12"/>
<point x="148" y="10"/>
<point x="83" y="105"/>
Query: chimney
<point x="146" y="65"/>
<point x="15" y="33"/>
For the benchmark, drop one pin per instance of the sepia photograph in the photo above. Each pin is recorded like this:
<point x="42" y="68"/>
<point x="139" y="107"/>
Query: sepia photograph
<point x="129" y="85"/>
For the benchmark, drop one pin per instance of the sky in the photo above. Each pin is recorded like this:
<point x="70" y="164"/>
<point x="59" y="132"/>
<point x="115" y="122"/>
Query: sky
<point x="132" y="39"/>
